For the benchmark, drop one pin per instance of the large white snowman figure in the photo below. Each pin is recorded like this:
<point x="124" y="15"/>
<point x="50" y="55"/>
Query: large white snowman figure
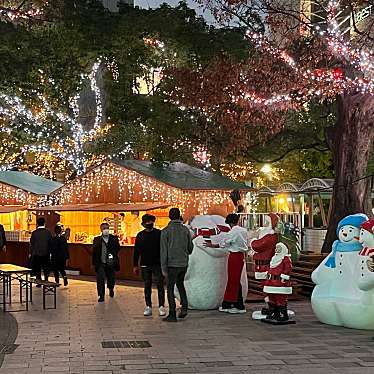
<point x="337" y="298"/>
<point x="206" y="277"/>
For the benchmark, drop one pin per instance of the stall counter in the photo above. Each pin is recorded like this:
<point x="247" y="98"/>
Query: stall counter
<point x="80" y="258"/>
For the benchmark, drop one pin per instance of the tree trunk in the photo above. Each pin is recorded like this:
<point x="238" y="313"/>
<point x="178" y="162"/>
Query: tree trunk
<point x="351" y="141"/>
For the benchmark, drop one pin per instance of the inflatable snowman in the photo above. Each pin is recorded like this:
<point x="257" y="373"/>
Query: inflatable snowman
<point x="206" y="277"/>
<point x="338" y="298"/>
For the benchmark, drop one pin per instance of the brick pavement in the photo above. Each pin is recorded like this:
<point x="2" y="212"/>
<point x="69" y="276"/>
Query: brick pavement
<point x="68" y="340"/>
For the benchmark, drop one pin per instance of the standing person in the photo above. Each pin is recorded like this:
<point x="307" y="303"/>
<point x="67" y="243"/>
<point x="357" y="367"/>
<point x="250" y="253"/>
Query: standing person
<point x="40" y="248"/>
<point x="147" y="249"/>
<point x="59" y="255"/>
<point x="2" y="238"/>
<point x="105" y="259"/>
<point x="176" y="246"/>
<point x="235" y="242"/>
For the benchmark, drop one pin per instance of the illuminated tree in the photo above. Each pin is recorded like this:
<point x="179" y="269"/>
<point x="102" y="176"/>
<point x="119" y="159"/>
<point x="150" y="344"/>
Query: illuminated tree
<point x="304" y="57"/>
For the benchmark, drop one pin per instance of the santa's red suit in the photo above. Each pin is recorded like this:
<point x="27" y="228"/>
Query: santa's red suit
<point x="278" y="285"/>
<point x="264" y="247"/>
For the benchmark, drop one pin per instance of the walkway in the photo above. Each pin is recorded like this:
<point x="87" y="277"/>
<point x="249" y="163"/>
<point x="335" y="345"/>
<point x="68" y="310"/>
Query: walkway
<point x="69" y="340"/>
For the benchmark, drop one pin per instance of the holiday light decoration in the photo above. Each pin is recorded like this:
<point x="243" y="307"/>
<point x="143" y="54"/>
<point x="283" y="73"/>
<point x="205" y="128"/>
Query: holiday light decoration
<point x="318" y="83"/>
<point x="202" y="156"/>
<point x="126" y="186"/>
<point x="67" y="133"/>
<point x="14" y="196"/>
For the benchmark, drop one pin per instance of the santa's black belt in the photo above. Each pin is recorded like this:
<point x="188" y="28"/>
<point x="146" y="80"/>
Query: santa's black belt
<point x="274" y="277"/>
<point x="262" y="262"/>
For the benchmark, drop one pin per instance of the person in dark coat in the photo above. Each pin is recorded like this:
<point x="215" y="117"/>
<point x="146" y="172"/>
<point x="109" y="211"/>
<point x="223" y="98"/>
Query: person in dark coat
<point x="59" y="255"/>
<point x="147" y="250"/>
<point x="2" y="238"/>
<point x="40" y="248"/>
<point x="105" y="260"/>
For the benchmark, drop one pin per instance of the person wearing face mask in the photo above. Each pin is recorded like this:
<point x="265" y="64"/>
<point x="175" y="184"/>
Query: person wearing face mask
<point x="147" y="250"/>
<point x="105" y="260"/>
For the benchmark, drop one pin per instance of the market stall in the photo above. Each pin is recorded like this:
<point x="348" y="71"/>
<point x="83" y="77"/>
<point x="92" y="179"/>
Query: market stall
<point x="193" y="190"/>
<point x="120" y="193"/>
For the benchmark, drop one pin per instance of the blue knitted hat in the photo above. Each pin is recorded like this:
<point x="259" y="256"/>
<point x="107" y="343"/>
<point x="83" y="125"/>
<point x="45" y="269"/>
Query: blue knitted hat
<point x="353" y="220"/>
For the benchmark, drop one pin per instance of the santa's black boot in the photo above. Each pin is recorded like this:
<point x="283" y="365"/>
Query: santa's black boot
<point x="283" y="315"/>
<point x="266" y="311"/>
<point x="273" y="312"/>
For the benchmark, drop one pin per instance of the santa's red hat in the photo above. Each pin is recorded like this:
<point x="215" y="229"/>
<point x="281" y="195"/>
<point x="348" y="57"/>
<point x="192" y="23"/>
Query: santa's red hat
<point x="368" y="225"/>
<point x="274" y="220"/>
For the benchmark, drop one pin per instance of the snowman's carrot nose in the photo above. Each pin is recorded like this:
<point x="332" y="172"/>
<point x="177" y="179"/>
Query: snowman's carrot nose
<point x="357" y="238"/>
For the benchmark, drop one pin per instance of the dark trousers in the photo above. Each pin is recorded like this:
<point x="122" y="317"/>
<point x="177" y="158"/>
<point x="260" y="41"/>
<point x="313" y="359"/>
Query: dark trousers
<point x="59" y="268"/>
<point x="40" y="263"/>
<point x="176" y="277"/>
<point x="103" y="273"/>
<point x="149" y="273"/>
<point x="239" y="304"/>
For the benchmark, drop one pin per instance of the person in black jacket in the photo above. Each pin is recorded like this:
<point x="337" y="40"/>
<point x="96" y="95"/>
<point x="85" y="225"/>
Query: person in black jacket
<point x="40" y="249"/>
<point x="147" y="248"/>
<point x="59" y="255"/>
<point x="105" y="260"/>
<point x="2" y="238"/>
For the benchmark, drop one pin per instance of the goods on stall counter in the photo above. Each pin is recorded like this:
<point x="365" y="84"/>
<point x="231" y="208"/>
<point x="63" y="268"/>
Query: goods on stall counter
<point x="278" y="286"/>
<point x="344" y="292"/>
<point x="206" y="276"/>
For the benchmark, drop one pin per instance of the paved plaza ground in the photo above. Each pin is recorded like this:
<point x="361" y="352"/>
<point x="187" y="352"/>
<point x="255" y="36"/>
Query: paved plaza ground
<point x="69" y="340"/>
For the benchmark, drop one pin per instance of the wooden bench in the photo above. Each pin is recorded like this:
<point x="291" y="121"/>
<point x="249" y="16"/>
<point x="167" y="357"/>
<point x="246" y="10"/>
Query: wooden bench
<point x="48" y="288"/>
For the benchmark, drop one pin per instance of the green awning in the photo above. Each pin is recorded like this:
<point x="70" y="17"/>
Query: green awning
<point x="29" y="182"/>
<point x="182" y="176"/>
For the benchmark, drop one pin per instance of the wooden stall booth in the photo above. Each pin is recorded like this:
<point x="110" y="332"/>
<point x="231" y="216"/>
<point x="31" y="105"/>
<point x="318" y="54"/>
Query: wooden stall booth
<point x="120" y="192"/>
<point x="19" y="193"/>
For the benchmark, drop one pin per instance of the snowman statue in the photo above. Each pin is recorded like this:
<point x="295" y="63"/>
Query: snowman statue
<point x="366" y="255"/>
<point x="206" y="276"/>
<point x="337" y="297"/>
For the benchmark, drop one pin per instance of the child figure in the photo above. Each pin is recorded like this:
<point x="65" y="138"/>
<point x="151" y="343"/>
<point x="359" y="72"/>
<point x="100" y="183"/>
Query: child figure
<point x="278" y="286"/>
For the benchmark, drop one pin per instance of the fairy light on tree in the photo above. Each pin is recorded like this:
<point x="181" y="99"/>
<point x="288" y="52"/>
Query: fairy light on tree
<point x="51" y="131"/>
<point x="253" y="97"/>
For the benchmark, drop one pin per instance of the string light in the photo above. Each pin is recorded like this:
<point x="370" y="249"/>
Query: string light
<point x="318" y="82"/>
<point x="126" y="186"/>
<point x="67" y="133"/>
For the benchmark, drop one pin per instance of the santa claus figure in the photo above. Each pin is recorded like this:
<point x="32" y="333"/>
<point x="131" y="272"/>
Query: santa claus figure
<point x="263" y="250"/>
<point x="278" y="285"/>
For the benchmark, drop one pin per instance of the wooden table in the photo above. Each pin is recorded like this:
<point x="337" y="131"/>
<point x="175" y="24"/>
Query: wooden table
<point x="8" y="272"/>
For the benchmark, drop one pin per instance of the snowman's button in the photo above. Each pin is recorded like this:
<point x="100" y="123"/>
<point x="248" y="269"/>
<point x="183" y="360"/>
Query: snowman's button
<point x="340" y="263"/>
<point x="362" y="275"/>
<point x="362" y="261"/>
<point x="341" y="256"/>
<point x="340" y="271"/>
<point x="362" y="268"/>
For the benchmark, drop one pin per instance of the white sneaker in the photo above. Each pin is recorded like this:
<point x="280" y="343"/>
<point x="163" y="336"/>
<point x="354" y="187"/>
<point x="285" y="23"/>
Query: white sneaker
<point x="161" y="311"/>
<point x="220" y="309"/>
<point x="147" y="311"/>
<point x="237" y="311"/>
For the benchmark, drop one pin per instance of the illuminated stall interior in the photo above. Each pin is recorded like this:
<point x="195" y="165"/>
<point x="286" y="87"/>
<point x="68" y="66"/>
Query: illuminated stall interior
<point x="83" y="220"/>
